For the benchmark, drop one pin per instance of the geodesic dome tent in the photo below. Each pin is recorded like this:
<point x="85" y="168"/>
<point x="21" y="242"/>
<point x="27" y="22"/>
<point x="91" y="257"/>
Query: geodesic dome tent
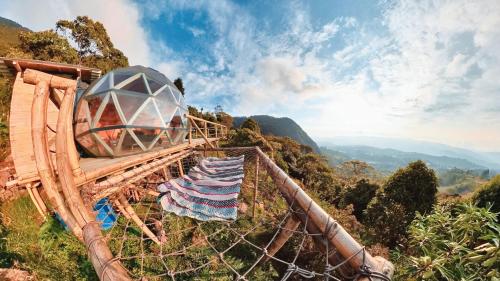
<point x="130" y="110"/>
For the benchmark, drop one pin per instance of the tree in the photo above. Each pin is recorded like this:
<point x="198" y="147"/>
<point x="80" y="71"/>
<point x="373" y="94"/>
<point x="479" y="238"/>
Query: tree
<point x="95" y="48"/>
<point x="408" y="191"/>
<point x="359" y="196"/>
<point x="489" y="195"/>
<point x="252" y="125"/>
<point x="45" y="45"/>
<point x="178" y="83"/>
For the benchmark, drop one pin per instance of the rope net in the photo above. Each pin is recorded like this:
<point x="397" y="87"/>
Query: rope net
<point x="155" y="245"/>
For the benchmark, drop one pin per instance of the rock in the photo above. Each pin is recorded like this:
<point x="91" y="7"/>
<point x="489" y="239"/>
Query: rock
<point x="10" y="274"/>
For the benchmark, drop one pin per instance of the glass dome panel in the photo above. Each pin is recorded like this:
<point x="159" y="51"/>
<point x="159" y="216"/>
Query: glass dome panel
<point x="129" y="111"/>
<point x="130" y="103"/>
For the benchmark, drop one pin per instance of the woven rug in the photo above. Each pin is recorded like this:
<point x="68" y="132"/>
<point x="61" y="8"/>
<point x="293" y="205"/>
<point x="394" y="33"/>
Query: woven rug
<point x="208" y="192"/>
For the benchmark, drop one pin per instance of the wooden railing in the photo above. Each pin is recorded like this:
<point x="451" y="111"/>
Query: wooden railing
<point x="201" y="128"/>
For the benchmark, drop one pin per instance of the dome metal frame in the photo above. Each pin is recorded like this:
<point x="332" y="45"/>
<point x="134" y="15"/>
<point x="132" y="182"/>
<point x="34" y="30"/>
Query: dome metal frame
<point x="148" y="113"/>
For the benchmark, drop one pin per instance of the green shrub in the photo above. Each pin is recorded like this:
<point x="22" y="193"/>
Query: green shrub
<point x="408" y="191"/>
<point x="489" y="194"/>
<point x="454" y="242"/>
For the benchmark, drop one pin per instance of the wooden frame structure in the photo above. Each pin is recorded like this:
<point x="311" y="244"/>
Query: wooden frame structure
<point x="48" y="164"/>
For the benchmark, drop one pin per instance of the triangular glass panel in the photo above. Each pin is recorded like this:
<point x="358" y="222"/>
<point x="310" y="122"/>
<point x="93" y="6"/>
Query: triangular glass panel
<point x="94" y="103"/>
<point x="166" y="104"/>
<point x="109" y="116"/>
<point x="128" y="145"/>
<point x="176" y="135"/>
<point x="111" y="137"/>
<point x="148" y="116"/>
<point x="137" y="85"/>
<point x="164" y="140"/>
<point x="82" y="118"/>
<point x="177" y="94"/>
<point x="100" y="146"/>
<point x="130" y="103"/>
<point x="147" y="136"/>
<point x="119" y="77"/>
<point x="153" y="85"/>
<point x="102" y="85"/>
<point x="88" y="143"/>
<point x="176" y="121"/>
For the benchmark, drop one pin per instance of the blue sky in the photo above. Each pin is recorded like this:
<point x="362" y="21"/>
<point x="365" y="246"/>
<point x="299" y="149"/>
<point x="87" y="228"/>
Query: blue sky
<point x="424" y="70"/>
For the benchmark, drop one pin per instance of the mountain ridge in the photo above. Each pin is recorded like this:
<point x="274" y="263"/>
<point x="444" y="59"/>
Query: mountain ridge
<point x="281" y="127"/>
<point x="490" y="160"/>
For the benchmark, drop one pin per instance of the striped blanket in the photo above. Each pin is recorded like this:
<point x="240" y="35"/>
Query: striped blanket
<point x="208" y="192"/>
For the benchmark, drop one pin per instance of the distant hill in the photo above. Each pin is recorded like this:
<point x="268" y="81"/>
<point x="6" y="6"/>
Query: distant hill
<point x="387" y="160"/>
<point x="281" y="127"/>
<point x="9" y="31"/>
<point x="490" y="160"/>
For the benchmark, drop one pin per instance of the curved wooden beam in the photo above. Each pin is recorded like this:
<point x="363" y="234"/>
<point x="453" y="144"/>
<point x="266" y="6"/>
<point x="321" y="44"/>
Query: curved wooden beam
<point x="64" y="152"/>
<point x="42" y="158"/>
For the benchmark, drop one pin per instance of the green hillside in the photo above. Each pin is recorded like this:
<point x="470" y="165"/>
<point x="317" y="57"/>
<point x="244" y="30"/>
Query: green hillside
<point x="9" y="31"/>
<point x="280" y="127"/>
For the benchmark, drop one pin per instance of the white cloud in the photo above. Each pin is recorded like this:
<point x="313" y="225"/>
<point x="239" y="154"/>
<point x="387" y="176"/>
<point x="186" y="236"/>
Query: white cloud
<point x="121" y="19"/>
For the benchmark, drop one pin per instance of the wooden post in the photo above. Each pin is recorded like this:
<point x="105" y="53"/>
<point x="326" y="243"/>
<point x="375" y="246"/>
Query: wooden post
<point x="203" y="135"/>
<point x="291" y="224"/>
<point x="181" y="169"/>
<point x="216" y="126"/>
<point x="166" y="173"/>
<point x="190" y="138"/>
<point x="206" y="129"/>
<point x="256" y="186"/>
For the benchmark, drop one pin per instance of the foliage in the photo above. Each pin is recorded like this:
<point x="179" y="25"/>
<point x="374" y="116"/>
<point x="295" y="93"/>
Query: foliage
<point x="409" y="190"/>
<point x="45" y="45"/>
<point x="47" y="252"/>
<point x="95" y="48"/>
<point x="489" y="194"/>
<point x="252" y="125"/>
<point x="454" y="242"/>
<point x="359" y="196"/>
<point x="180" y="86"/>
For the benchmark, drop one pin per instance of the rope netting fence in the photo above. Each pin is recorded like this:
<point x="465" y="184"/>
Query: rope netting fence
<point x="268" y="241"/>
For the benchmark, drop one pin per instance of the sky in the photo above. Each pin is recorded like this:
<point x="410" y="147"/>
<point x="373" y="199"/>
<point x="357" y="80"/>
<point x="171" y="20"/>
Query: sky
<point x="426" y="70"/>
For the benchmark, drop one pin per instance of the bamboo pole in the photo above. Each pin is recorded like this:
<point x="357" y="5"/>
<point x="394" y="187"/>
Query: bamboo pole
<point x="256" y="186"/>
<point x="31" y="76"/>
<point x="181" y="169"/>
<point x="137" y="220"/>
<point x="334" y="232"/>
<point x="121" y="209"/>
<point x="42" y="158"/>
<point x="108" y="268"/>
<point x="204" y="136"/>
<point x="64" y="167"/>
<point x="291" y="224"/>
<point x="43" y="213"/>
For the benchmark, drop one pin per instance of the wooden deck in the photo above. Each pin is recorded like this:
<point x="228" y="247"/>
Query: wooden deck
<point x="95" y="168"/>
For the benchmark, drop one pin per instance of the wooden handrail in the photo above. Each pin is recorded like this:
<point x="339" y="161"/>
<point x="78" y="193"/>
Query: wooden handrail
<point x="203" y="120"/>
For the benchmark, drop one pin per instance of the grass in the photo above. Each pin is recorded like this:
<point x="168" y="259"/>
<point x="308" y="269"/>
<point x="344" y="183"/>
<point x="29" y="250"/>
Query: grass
<point x="44" y="249"/>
